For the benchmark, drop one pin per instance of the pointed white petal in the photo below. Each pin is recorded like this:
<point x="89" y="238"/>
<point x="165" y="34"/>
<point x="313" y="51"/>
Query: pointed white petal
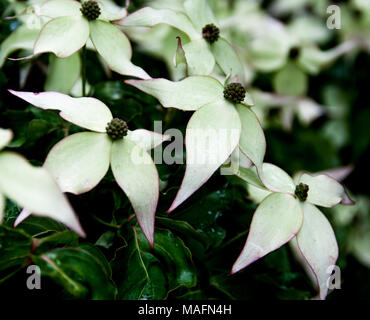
<point x="339" y="173"/>
<point x="250" y="176"/>
<point x="276" y="221"/>
<point x="80" y="161"/>
<point x="115" y="48"/>
<point x="252" y="139"/>
<point x="147" y="139"/>
<point x="22" y="216"/>
<point x="137" y="175"/>
<point x="6" y="136"/>
<point x="257" y="195"/>
<point x="110" y="11"/>
<point x="200" y="13"/>
<point x="323" y="190"/>
<point x="60" y="8"/>
<point x="317" y="243"/>
<point x="63" y="36"/>
<point x="228" y="60"/>
<point x="199" y="57"/>
<point x="34" y="189"/>
<point x="188" y="94"/>
<point x="213" y="132"/>
<point x="276" y="179"/>
<point x="301" y="259"/>
<point x="88" y="113"/>
<point x="22" y="38"/>
<point x="148" y="17"/>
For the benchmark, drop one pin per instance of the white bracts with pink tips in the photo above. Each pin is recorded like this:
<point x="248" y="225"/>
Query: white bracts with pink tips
<point x="80" y="161"/>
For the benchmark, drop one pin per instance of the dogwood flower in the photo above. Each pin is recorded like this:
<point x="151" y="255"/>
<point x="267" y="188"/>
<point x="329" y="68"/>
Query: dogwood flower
<point x="221" y="124"/>
<point x="205" y="48"/>
<point x="80" y="161"/>
<point x="32" y="188"/>
<point x="73" y="24"/>
<point x="287" y="213"/>
<point x="306" y="109"/>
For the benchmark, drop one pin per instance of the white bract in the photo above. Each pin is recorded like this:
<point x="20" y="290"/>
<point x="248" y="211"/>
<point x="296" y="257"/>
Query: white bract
<point x="68" y="31"/>
<point x="79" y="162"/>
<point x="191" y="19"/>
<point x="32" y="188"/>
<point x="216" y="129"/>
<point x="282" y="217"/>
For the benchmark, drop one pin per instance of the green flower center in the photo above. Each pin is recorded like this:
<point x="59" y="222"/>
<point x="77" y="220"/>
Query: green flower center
<point x="234" y="92"/>
<point x="301" y="191"/>
<point x="210" y="33"/>
<point x="117" y="129"/>
<point x="90" y="10"/>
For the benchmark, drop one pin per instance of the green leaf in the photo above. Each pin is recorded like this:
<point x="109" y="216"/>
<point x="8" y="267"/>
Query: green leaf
<point x="15" y="246"/>
<point x="184" y="228"/>
<point x="81" y="271"/>
<point x="117" y="96"/>
<point x="38" y="128"/>
<point x="151" y="274"/>
<point x="206" y="225"/>
<point x="57" y="239"/>
<point x="36" y="226"/>
<point x="106" y="239"/>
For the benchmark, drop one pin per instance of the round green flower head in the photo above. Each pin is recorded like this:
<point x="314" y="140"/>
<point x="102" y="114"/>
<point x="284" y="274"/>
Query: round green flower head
<point x="210" y="33"/>
<point x="117" y="129"/>
<point x="301" y="191"/>
<point x="234" y="92"/>
<point x="90" y="10"/>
